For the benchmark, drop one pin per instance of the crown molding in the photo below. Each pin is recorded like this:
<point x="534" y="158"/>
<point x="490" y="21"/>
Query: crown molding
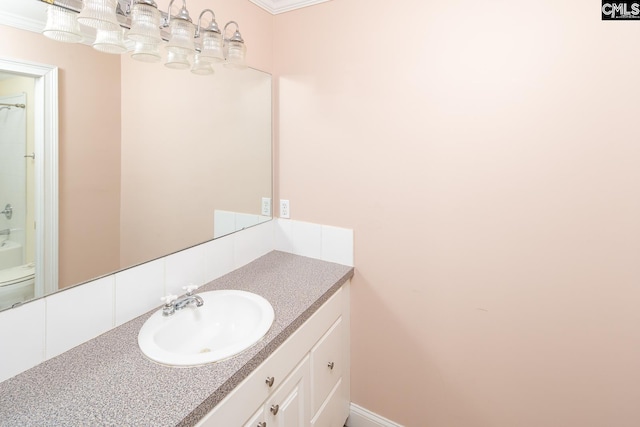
<point x="21" y="22"/>
<point x="280" y="6"/>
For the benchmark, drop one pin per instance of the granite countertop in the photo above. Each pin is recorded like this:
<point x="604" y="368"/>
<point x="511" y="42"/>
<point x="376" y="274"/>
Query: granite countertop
<point x="109" y="382"/>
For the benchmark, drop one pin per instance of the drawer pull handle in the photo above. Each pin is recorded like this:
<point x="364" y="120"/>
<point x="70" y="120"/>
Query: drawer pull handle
<point x="274" y="409"/>
<point x="270" y="381"/>
<point x="262" y="424"/>
<point x="330" y="365"/>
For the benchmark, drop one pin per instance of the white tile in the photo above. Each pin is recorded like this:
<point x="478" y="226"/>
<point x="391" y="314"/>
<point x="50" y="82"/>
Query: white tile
<point x="307" y="239"/>
<point x="184" y="268"/>
<point x="224" y="223"/>
<point x="337" y="245"/>
<point x="264" y="218"/>
<point x="22" y="338"/>
<point x="283" y="230"/>
<point x="138" y="290"/>
<point x="244" y="220"/>
<point x="252" y="243"/>
<point x="218" y="258"/>
<point x="78" y="315"/>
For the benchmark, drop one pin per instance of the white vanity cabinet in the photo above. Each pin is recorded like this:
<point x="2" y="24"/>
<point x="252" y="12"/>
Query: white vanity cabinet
<point x="304" y="382"/>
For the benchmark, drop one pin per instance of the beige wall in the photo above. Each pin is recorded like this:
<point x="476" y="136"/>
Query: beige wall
<point x="485" y="154"/>
<point x="89" y="150"/>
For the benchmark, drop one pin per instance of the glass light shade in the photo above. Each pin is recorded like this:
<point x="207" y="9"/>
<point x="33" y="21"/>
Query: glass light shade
<point x="145" y="24"/>
<point x="110" y="41"/>
<point x="211" y="49"/>
<point x="147" y="52"/>
<point x="62" y="25"/>
<point x="236" y="52"/>
<point x="99" y="14"/>
<point x="201" y="67"/>
<point x="177" y="61"/>
<point x="182" y="36"/>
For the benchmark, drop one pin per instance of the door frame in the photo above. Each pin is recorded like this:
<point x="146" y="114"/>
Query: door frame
<point x="46" y="168"/>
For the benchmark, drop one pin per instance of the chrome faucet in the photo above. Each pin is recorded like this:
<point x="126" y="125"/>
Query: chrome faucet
<point x="173" y="302"/>
<point x="8" y="211"/>
<point x="5" y="232"/>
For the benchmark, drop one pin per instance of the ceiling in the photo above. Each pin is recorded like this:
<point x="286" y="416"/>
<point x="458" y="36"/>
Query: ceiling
<point x="280" y="6"/>
<point x="30" y="14"/>
<point x="35" y="9"/>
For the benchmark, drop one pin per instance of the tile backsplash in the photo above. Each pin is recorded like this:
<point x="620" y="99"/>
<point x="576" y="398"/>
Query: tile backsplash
<point x="323" y="242"/>
<point x="45" y="328"/>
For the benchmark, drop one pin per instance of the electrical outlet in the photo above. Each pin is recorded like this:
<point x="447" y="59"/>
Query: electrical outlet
<point x="266" y="206"/>
<point x="284" y="209"/>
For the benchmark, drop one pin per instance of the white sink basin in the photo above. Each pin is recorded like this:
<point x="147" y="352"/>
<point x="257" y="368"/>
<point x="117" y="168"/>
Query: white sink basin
<point x="228" y="323"/>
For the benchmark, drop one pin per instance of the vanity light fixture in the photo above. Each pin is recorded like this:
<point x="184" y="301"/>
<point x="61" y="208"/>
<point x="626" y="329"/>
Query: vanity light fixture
<point x="110" y="41"/>
<point x="201" y="66"/>
<point x="141" y="22"/>
<point x="62" y="25"/>
<point x="235" y="50"/>
<point x="146" y="20"/>
<point x="146" y="52"/>
<point x="99" y="14"/>
<point x="211" y="40"/>
<point x="177" y="61"/>
<point x="182" y="32"/>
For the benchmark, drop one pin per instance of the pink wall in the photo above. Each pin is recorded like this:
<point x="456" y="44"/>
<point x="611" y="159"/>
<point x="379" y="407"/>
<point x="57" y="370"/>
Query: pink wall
<point x="486" y="157"/>
<point x="256" y="26"/>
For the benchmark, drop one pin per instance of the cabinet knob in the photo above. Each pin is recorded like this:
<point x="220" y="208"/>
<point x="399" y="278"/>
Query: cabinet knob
<point x="274" y="409"/>
<point x="330" y="365"/>
<point x="262" y="424"/>
<point x="270" y="381"/>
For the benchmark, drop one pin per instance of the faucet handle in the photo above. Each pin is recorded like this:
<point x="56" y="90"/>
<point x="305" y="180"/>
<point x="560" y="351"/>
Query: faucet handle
<point x="168" y="299"/>
<point x="190" y="288"/>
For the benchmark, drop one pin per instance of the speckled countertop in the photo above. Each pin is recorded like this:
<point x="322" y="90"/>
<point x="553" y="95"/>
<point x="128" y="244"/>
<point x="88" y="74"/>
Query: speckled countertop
<point x="109" y="382"/>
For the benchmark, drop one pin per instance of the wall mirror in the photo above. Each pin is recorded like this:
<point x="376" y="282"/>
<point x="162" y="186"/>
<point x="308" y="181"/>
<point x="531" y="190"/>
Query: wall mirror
<point x="150" y="160"/>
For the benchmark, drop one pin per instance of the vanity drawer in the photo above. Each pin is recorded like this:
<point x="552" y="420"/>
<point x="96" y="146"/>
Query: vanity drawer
<point x="239" y="405"/>
<point x="326" y="364"/>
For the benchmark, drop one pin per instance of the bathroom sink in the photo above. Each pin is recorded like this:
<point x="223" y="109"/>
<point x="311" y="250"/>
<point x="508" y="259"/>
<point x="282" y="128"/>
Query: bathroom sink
<point x="227" y="323"/>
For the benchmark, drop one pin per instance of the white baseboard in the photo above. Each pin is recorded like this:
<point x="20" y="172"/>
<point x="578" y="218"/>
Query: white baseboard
<point x="360" y="417"/>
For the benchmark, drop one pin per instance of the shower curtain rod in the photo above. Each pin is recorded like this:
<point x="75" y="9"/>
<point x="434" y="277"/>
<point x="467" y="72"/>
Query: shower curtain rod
<point x="14" y="105"/>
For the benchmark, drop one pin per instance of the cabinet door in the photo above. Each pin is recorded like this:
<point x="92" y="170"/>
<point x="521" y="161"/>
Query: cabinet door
<point x="257" y="419"/>
<point x="289" y="405"/>
<point x="326" y="365"/>
<point x="331" y="414"/>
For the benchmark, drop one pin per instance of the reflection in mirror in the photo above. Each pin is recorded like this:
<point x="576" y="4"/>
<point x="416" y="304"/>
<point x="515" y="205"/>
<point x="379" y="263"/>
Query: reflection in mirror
<point x="28" y="184"/>
<point x="151" y="160"/>
<point x="17" y="241"/>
